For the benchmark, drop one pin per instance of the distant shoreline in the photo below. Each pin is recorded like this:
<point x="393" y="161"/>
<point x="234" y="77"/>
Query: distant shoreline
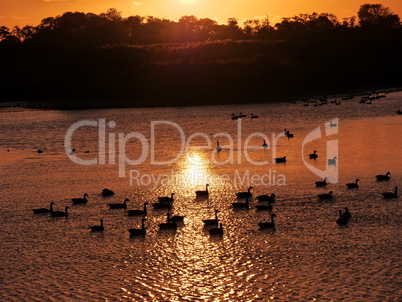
<point x="111" y="104"/>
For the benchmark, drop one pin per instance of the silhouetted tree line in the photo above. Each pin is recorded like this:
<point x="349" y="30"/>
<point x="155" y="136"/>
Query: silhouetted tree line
<point x="106" y="59"/>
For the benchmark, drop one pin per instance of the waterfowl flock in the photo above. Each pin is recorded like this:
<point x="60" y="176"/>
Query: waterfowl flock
<point x="173" y="222"/>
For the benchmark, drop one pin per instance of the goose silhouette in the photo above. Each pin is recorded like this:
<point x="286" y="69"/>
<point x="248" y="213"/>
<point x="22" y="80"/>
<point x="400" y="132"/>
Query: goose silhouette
<point x="383" y="177"/>
<point x="245" y="194"/>
<point x="217" y="231"/>
<point x="98" y="228"/>
<point x="169" y="224"/>
<point x="60" y="213"/>
<point x="313" y="155"/>
<point x="138" y="212"/>
<point x="346" y="215"/>
<point x="208" y="222"/>
<point x="326" y="196"/>
<point x="321" y="183"/>
<point x="332" y="161"/>
<point x="341" y="220"/>
<point x="269" y="224"/>
<point x="264" y="144"/>
<point x="107" y="192"/>
<point x="139" y="232"/>
<point x="241" y="205"/>
<point x="388" y="195"/>
<point x="44" y="210"/>
<point x="166" y="199"/>
<point x="122" y="205"/>
<point x="280" y="160"/>
<point x="80" y="200"/>
<point x="270" y="198"/>
<point x="202" y="193"/>
<point x="218" y="148"/>
<point x="264" y="207"/>
<point x="353" y="184"/>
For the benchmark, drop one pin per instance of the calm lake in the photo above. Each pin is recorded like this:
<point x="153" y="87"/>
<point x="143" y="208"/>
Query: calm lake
<point x="307" y="257"/>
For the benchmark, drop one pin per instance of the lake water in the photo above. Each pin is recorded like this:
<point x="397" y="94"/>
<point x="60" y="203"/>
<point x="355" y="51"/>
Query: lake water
<point x="308" y="257"/>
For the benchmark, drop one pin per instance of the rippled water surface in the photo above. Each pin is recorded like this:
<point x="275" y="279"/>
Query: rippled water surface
<point x="308" y="257"/>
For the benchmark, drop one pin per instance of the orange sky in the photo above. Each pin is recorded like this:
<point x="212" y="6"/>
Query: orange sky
<point x="31" y="12"/>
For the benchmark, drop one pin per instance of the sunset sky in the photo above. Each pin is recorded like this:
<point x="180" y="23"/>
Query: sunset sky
<point x="31" y="12"/>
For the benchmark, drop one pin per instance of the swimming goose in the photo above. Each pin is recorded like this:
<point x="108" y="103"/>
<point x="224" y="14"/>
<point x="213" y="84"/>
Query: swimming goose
<point x="383" y="177"/>
<point x="39" y="151"/>
<point x="169" y="224"/>
<point x="245" y="194"/>
<point x="177" y="218"/>
<point x="241" y="205"/>
<point x="268" y="225"/>
<point x="202" y="193"/>
<point x="388" y="195"/>
<point x="321" y="183"/>
<point x="341" y="220"/>
<point x="166" y="199"/>
<point x="211" y="221"/>
<point x="332" y="125"/>
<point x="264" y="144"/>
<point x="326" y="196"/>
<point x="280" y="159"/>
<point x="253" y="116"/>
<point x="399" y="111"/>
<point x="313" y="155"/>
<point x="44" y="210"/>
<point x="80" y="200"/>
<point x="264" y="207"/>
<point x="218" y="148"/>
<point x="139" y="232"/>
<point x="107" y="192"/>
<point x="138" y="212"/>
<point x="266" y="198"/>
<point x="122" y="205"/>
<point x="60" y="213"/>
<point x="346" y="215"/>
<point x="332" y="161"/>
<point x="353" y="184"/>
<point x="98" y="228"/>
<point x="217" y="231"/>
<point x="288" y="134"/>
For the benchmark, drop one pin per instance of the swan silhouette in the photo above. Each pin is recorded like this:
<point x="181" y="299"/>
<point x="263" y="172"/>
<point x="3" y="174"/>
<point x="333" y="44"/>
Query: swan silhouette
<point x="313" y="155"/>
<point x="167" y="199"/>
<point x="122" y="205"/>
<point x="138" y="212"/>
<point x="60" y="213"/>
<point x="245" y="194"/>
<point x="383" y="177"/>
<point x="332" y="161"/>
<point x="353" y="184"/>
<point x="253" y="116"/>
<point x="218" y="148"/>
<point x="264" y="144"/>
<point x="44" y="210"/>
<point x="139" y="232"/>
<point x="321" y="183"/>
<point x="326" y="196"/>
<point x="80" y="200"/>
<point x="341" y="220"/>
<point x="217" y="231"/>
<point x="332" y="124"/>
<point x="211" y="221"/>
<point x="269" y="224"/>
<point x="202" y="193"/>
<point x="107" y="192"/>
<point x="163" y="205"/>
<point x="241" y="205"/>
<point x="98" y="228"/>
<point x="388" y="195"/>
<point x="266" y="198"/>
